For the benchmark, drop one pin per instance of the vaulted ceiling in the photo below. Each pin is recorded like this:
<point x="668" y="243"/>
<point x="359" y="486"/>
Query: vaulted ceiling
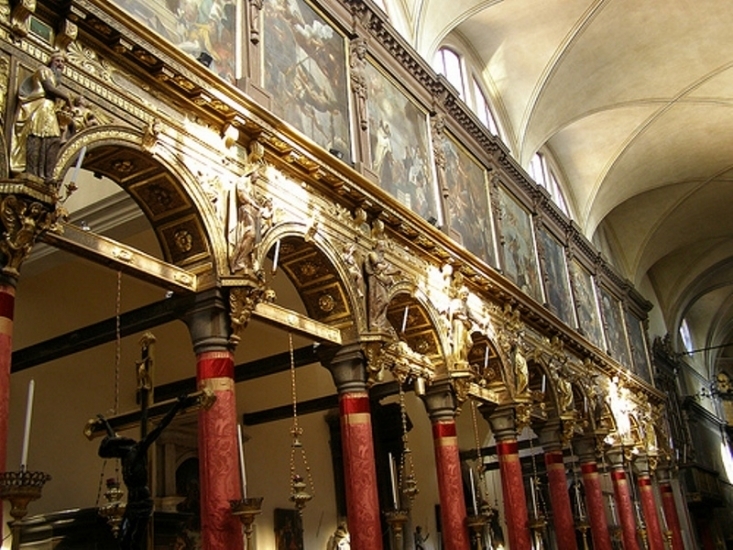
<point x="634" y="100"/>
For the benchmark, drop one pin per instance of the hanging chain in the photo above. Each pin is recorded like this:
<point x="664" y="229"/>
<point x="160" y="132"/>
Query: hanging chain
<point x="479" y="457"/>
<point x="407" y="481"/>
<point x="297" y="486"/>
<point x="118" y="357"/>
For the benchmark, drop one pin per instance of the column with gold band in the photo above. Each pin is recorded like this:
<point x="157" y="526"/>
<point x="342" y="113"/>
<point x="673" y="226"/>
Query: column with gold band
<point x="586" y="449"/>
<point x="441" y="406"/>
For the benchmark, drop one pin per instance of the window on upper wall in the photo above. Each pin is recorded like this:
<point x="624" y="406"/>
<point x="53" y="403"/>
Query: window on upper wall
<point x="543" y="174"/>
<point x="452" y="65"/>
<point x="448" y="63"/>
<point x="685" y="335"/>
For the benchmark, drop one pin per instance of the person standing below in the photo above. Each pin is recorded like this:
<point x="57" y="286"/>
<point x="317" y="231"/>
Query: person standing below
<point x="37" y="132"/>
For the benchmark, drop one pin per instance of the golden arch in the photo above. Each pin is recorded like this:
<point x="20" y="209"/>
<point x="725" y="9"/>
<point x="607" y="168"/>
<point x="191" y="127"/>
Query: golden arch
<point x="169" y="195"/>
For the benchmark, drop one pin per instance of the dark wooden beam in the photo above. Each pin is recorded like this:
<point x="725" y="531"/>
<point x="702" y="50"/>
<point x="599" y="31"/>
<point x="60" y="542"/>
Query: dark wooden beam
<point x="286" y="411"/>
<point x="246" y="371"/>
<point x="138" y="320"/>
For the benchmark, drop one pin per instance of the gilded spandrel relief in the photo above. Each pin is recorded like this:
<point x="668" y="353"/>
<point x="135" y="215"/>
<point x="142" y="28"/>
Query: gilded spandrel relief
<point x="638" y="346"/>
<point x="615" y="331"/>
<point x="469" y="215"/>
<point x="204" y="29"/>
<point x="398" y="133"/>
<point x="557" y="285"/>
<point x="305" y="73"/>
<point x="520" y="258"/>
<point x="586" y="306"/>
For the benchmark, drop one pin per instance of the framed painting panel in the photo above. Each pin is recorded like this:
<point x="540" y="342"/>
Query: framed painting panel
<point x="586" y="304"/>
<point x="204" y="29"/>
<point x="305" y="73"/>
<point x="615" y="329"/>
<point x="639" y="350"/>
<point x="557" y="283"/>
<point x="399" y="141"/>
<point x="519" y="253"/>
<point x="288" y="529"/>
<point x="468" y="210"/>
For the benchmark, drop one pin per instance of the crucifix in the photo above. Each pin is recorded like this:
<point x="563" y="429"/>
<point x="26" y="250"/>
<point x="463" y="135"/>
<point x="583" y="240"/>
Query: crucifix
<point x="133" y="455"/>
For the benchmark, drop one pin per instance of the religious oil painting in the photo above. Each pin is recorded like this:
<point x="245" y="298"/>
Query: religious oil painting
<point x="637" y="342"/>
<point x="468" y="209"/>
<point x="305" y="73"/>
<point x="288" y="529"/>
<point x="615" y="331"/>
<point x="520" y="257"/>
<point x="204" y="29"/>
<point x="557" y="284"/>
<point x="401" y="155"/>
<point x="586" y="304"/>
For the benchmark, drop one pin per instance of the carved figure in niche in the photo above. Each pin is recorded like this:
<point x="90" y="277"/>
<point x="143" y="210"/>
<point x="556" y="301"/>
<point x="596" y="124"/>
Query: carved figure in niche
<point x="42" y="116"/>
<point x="340" y="540"/>
<point x="459" y="323"/>
<point x="353" y="265"/>
<point x="379" y="276"/>
<point x="521" y="371"/>
<point x="358" y="65"/>
<point x="420" y="538"/>
<point x="563" y="388"/>
<point x="133" y="456"/>
<point x="244" y="211"/>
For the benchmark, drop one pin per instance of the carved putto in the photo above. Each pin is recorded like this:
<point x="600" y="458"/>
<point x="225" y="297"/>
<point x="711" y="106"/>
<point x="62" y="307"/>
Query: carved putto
<point x="380" y="275"/>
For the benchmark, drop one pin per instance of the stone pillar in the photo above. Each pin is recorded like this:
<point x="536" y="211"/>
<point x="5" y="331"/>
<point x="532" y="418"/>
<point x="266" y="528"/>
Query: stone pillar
<point x="360" y="472"/>
<point x="622" y="494"/>
<point x="648" y="504"/>
<point x="669" y="508"/>
<point x="441" y="406"/>
<point x="208" y="323"/>
<point x="503" y="426"/>
<point x="586" y="449"/>
<point x="562" y="512"/>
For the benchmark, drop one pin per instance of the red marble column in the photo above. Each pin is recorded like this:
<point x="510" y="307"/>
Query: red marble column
<point x="586" y="450"/>
<point x="208" y="323"/>
<point x="7" y="309"/>
<point x="624" y="504"/>
<point x="360" y="474"/>
<point x="218" y="453"/>
<point x="649" y="507"/>
<point x="440" y="404"/>
<point x="347" y="366"/>
<point x="512" y="486"/>
<point x="670" y="513"/>
<point x="562" y="513"/>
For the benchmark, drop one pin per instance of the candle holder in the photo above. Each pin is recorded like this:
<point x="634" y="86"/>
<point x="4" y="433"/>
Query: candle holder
<point x="114" y="510"/>
<point x="397" y="520"/>
<point x="20" y="488"/>
<point x="477" y="524"/>
<point x="616" y="536"/>
<point x="582" y="525"/>
<point x="537" y="525"/>
<point x="246" y="509"/>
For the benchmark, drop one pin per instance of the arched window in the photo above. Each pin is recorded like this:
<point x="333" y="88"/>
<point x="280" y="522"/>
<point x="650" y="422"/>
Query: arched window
<point x="685" y="335"/>
<point x="543" y="174"/>
<point x="448" y="63"/>
<point x="453" y="66"/>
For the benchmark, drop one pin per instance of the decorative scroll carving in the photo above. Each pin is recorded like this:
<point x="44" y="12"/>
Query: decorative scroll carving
<point x="20" y="17"/>
<point x="438" y="135"/>
<point x="397" y="357"/>
<point x="23" y="221"/>
<point x="242" y="302"/>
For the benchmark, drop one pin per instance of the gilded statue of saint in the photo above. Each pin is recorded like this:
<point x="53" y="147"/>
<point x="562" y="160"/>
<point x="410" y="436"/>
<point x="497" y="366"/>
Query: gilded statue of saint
<point x="40" y="121"/>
